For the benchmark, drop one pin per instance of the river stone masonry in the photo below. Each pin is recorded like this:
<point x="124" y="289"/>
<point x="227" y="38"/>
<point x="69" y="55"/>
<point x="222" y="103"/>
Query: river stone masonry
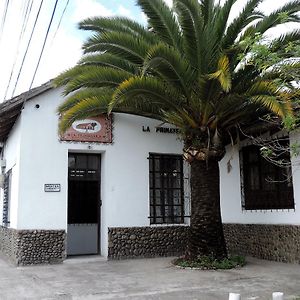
<point x="271" y="242"/>
<point x="8" y="243"/>
<point x="133" y="242"/>
<point x="29" y="247"/>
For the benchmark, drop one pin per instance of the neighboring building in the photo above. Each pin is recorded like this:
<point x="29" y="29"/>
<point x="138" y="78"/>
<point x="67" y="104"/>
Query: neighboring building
<point x="261" y="202"/>
<point x="117" y="186"/>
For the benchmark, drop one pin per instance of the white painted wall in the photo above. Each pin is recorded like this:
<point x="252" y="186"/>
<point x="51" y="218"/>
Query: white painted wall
<point x="124" y="170"/>
<point x="230" y="186"/>
<point x="11" y="153"/>
<point x="37" y="157"/>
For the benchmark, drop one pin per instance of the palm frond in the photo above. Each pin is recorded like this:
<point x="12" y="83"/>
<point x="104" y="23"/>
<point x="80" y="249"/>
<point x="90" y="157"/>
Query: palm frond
<point x="86" y="108"/>
<point x="119" y="44"/>
<point x="125" y="93"/>
<point x="282" y="15"/>
<point x="223" y="74"/>
<point x="284" y="39"/>
<point x="221" y="19"/>
<point x="207" y="8"/>
<point x="245" y="17"/>
<point x="162" y="21"/>
<point x="154" y="91"/>
<point x="267" y="94"/>
<point x="117" y="24"/>
<point x="108" y="60"/>
<point x="102" y="94"/>
<point x="273" y="104"/>
<point x="174" y="118"/>
<point x="169" y="63"/>
<point x="95" y="77"/>
<point x="191" y="68"/>
<point x="284" y="71"/>
<point x="243" y="78"/>
<point x="191" y="23"/>
<point x="66" y="76"/>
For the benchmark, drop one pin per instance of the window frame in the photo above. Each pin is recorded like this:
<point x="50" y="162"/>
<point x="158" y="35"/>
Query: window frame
<point x="276" y="195"/>
<point x="6" y="199"/>
<point x="165" y="191"/>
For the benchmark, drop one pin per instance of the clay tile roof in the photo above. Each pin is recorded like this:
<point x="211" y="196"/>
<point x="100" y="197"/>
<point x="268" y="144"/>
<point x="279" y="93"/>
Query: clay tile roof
<point x="11" y="109"/>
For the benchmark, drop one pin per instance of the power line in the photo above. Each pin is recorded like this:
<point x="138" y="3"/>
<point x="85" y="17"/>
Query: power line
<point x="4" y="18"/>
<point x="45" y="40"/>
<point x="28" y="44"/>
<point x="62" y="15"/>
<point x="23" y="29"/>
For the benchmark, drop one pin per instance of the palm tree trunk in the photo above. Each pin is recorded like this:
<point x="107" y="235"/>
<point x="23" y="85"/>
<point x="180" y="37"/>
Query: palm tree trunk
<point x="206" y="230"/>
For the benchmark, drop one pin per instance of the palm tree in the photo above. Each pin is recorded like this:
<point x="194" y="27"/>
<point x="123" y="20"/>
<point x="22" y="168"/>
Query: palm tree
<point x="194" y="68"/>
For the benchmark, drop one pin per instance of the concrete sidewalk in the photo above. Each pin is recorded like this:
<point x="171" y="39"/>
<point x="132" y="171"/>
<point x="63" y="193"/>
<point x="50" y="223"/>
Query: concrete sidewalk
<point x="95" y="278"/>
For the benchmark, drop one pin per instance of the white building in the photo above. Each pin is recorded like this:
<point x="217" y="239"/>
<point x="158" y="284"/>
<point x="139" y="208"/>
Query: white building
<point x="119" y="188"/>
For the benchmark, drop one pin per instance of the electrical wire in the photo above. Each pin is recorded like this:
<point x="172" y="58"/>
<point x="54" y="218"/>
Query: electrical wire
<point x="45" y="40"/>
<point x="43" y="47"/>
<point x="28" y="44"/>
<point x="23" y="29"/>
<point x="4" y="18"/>
<point x="62" y="15"/>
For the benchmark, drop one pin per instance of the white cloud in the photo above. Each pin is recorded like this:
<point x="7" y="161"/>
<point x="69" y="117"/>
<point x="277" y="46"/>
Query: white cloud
<point x="89" y="8"/>
<point x="124" y="12"/>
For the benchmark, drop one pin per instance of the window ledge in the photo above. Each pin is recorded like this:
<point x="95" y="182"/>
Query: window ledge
<point x="268" y="210"/>
<point x="171" y="224"/>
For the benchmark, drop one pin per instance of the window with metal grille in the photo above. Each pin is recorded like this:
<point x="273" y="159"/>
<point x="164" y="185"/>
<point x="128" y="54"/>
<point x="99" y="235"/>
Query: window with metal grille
<point x="166" y="189"/>
<point x="265" y="185"/>
<point x="6" y="199"/>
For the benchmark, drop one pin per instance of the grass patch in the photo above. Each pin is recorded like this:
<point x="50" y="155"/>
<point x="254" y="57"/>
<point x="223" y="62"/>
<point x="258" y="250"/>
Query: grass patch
<point x="210" y="263"/>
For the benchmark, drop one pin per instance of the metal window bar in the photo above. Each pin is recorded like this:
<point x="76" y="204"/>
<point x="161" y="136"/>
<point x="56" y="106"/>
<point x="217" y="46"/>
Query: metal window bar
<point x="163" y="176"/>
<point x="6" y="200"/>
<point x="269" y="195"/>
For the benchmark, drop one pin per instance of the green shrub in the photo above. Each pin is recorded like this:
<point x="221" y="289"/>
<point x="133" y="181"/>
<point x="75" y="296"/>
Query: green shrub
<point x="210" y="263"/>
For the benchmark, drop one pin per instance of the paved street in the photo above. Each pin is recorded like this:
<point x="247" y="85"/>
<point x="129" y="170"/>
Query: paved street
<point x="95" y="278"/>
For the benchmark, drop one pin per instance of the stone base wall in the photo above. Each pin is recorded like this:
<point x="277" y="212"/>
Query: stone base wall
<point x="28" y="247"/>
<point x="132" y="242"/>
<point x="8" y="243"/>
<point x="272" y="242"/>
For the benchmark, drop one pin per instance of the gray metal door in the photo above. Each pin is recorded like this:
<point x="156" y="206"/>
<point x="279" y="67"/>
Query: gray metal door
<point x="83" y="234"/>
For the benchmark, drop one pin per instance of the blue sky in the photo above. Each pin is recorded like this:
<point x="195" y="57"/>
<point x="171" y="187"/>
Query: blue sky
<point x="63" y="49"/>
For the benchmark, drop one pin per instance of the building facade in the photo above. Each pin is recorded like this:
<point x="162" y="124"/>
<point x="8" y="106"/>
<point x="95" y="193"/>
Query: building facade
<point x="118" y="187"/>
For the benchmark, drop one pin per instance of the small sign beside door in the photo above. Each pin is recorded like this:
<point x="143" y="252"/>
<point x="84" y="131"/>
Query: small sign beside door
<point x="52" y="187"/>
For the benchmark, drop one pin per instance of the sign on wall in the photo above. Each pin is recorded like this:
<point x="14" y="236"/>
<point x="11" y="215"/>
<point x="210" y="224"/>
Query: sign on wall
<point x="94" y="129"/>
<point x="52" y="187"/>
<point x="162" y="129"/>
